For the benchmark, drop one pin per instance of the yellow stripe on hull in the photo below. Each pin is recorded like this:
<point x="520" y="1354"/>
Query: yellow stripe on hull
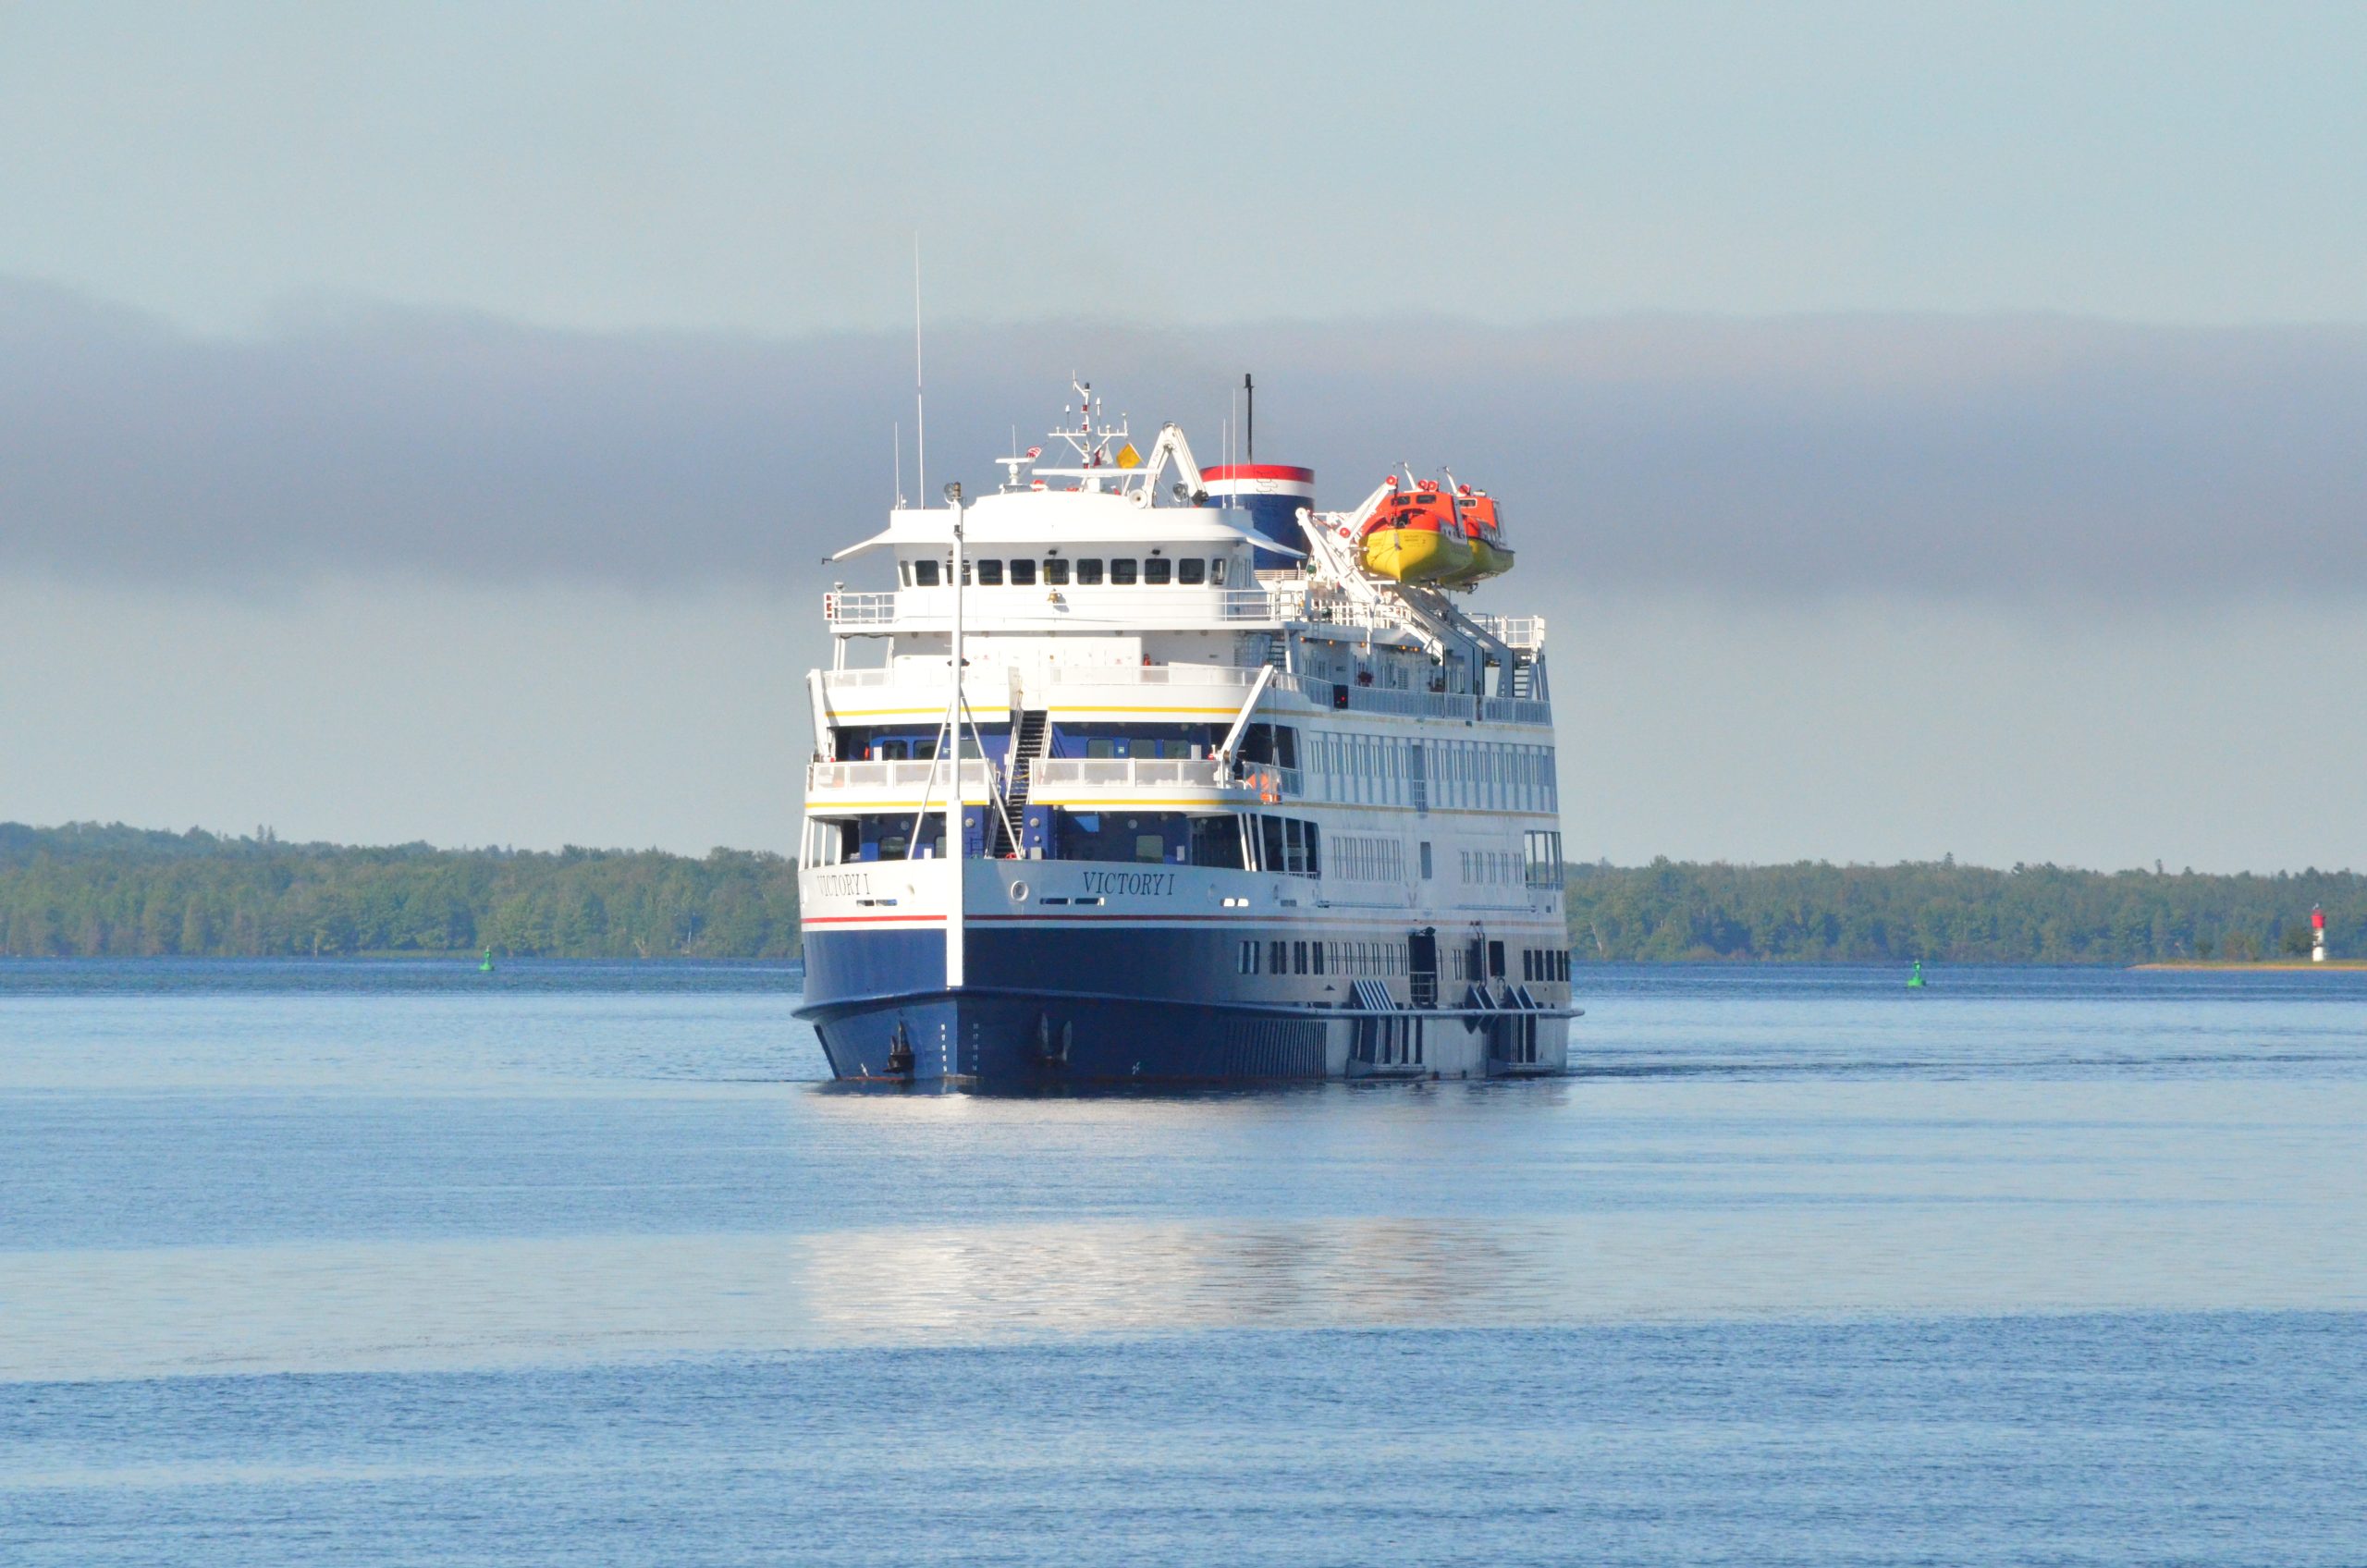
<point x="1416" y="555"/>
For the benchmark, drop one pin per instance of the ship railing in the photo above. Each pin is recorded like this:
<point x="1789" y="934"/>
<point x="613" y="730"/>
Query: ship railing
<point x="1524" y="632"/>
<point x="1130" y="773"/>
<point x="1035" y="674"/>
<point x="1416" y="705"/>
<point x="907" y="778"/>
<point x="1153" y="605"/>
<point x="1141" y="675"/>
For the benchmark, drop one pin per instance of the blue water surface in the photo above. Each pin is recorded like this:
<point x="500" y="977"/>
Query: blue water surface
<point x="387" y="1262"/>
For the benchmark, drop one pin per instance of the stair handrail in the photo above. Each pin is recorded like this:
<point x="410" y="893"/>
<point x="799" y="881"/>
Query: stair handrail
<point x="1224" y="754"/>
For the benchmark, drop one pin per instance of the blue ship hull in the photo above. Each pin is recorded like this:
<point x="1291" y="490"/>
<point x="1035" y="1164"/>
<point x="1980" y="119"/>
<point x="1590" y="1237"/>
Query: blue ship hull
<point x="1080" y="1007"/>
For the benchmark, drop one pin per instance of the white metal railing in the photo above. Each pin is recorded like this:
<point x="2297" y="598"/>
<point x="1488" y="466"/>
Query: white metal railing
<point x="1195" y="773"/>
<point x="1141" y="675"/>
<point x="1321" y="694"/>
<point x="1163" y="606"/>
<point x="1525" y="633"/>
<point x="1200" y="773"/>
<point x="909" y="777"/>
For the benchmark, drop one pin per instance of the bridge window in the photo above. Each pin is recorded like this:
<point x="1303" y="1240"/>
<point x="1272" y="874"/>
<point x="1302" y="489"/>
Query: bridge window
<point x="1121" y="573"/>
<point x="1088" y="573"/>
<point x="1542" y="852"/>
<point x="1216" y="840"/>
<point x="1156" y="572"/>
<point x="1192" y="573"/>
<point x="1152" y="838"/>
<point x="1023" y="574"/>
<point x="1055" y="574"/>
<point x="990" y="574"/>
<point x="924" y="574"/>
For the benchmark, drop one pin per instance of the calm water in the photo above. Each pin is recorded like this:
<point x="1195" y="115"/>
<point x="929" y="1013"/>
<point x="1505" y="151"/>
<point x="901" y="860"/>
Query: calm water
<point x="384" y="1264"/>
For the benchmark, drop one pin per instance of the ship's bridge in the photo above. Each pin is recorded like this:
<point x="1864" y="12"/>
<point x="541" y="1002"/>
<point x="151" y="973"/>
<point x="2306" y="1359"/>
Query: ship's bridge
<point x="1053" y="560"/>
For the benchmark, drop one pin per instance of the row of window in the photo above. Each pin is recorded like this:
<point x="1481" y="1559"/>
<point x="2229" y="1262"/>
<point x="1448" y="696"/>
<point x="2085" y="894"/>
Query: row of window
<point x="1356" y="858"/>
<point x="1474" y="961"/>
<point x="1089" y="571"/>
<point x="1288" y="844"/>
<point x="1389" y="770"/>
<point x="1491" y="867"/>
<point x="1364" y="961"/>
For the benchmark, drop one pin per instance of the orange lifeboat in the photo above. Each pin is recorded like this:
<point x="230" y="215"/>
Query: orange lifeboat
<point x="1414" y="536"/>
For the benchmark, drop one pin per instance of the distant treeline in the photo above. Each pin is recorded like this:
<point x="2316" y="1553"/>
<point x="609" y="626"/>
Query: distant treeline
<point x="86" y="890"/>
<point x="1955" y="914"/>
<point x="89" y="890"/>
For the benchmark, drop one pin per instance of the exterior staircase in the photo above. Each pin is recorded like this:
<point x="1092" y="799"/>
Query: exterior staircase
<point x="1034" y="731"/>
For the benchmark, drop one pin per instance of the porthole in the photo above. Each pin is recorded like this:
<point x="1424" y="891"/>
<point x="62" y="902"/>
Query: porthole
<point x="1019" y="892"/>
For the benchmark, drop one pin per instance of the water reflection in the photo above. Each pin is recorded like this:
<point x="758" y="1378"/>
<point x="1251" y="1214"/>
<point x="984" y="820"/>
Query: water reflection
<point x="442" y="1303"/>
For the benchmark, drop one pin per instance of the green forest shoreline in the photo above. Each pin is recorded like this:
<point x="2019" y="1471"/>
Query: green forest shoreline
<point x="87" y="890"/>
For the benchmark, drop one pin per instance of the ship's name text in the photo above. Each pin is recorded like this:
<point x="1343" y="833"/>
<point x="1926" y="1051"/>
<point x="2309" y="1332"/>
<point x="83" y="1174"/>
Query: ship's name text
<point x="1139" y="884"/>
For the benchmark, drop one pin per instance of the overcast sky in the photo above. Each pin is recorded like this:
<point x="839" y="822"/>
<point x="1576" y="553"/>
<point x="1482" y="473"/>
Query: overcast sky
<point x="1931" y="429"/>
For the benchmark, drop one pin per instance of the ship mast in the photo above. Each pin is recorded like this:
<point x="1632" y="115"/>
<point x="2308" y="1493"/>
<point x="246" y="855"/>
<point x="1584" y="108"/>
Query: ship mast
<point x="954" y="847"/>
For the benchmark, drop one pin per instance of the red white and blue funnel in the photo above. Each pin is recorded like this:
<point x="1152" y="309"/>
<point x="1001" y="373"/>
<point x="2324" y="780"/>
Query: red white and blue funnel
<point x="1272" y="495"/>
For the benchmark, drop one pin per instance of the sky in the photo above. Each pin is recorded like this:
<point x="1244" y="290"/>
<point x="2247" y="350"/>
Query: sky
<point x="1929" y="430"/>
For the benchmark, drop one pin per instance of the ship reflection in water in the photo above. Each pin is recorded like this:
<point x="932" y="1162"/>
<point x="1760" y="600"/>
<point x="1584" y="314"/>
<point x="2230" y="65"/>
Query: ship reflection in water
<point x="432" y="1304"/>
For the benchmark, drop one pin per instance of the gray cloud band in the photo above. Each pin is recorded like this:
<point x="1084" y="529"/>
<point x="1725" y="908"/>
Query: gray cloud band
<point x="2000" y="459"/>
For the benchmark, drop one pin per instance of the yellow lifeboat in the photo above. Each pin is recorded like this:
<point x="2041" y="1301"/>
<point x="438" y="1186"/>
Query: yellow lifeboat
<point x="1440" y="537"/>
<point x="1490" y="557"/>
<point x="1413" y="537"/>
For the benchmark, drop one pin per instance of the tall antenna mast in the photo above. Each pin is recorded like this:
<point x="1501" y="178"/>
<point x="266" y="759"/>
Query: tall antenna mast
<point x="1249" y="390"/>
<point x="920" y="404"/>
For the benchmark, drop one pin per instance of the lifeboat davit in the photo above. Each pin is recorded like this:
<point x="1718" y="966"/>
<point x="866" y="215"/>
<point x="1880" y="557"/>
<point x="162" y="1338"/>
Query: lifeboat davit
<point x="1444" y="538"/>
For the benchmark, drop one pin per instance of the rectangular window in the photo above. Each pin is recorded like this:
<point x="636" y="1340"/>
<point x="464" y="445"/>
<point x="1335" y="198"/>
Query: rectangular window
<point x="1426" y="857"/>
<point x="990" y="574"/>
<point x="1278" y="958"/>
<point x="1271" y="855"/>
<point x="1156" y="572"/>
<point x="1055" y="574"/>
<point x="1298" y="956"/>
<point x="1088" y="573"/>
<point x="1023" y="574"/>
<point x="1216" y="570"/>
<point x="1317" y="955"/>
<point x="1495" y="961"/>
<point x="925" y="575"/>
<point x="1543" y="853"/>
<point x="1121" y="573"/>
<point x="1244" y="960"/>
<point x="1192" y="573"/>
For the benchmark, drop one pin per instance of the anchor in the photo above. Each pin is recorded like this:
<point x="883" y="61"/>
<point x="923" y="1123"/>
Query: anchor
<point x="900" y="1052"/>
<point x="1044" y="1051"/>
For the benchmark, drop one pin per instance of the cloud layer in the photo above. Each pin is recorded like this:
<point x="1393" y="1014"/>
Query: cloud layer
<point x="2005" y="459"/>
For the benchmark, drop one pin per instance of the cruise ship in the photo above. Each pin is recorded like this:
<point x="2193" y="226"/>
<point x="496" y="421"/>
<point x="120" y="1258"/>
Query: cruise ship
<point x="1142" y="773"/>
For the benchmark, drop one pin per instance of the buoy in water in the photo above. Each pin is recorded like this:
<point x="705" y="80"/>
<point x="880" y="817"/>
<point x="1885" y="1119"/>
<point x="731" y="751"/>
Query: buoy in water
<point x="1915" y="981"/>
<point x="486" y="967"/>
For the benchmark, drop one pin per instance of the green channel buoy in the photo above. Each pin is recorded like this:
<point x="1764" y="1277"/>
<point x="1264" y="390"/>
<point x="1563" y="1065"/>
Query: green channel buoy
<point x="486" y="967"/>
<point x="1915" y="981"/>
